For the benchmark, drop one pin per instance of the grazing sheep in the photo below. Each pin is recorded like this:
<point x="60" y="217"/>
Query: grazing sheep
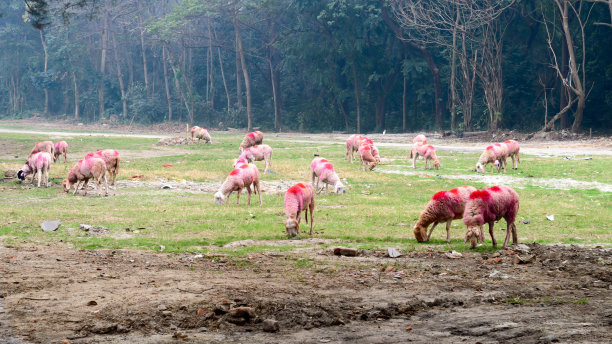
<point x="89" y="168"/>
<point x="488" y="206"/>
<point x="366" y="157"/>
<point x="240" y="161"/>
<point x="417" y="140"/>
<point x="501" y="152"/>
<point x="444" y="206"/>
<point x="428" y="152"/>
<point x="44" y="146"/>
<point x="251" y="139"/>
<point x="513" y="151"/>
<point x="258" y="153"/>
<point x="323" y="170"/>
<point x="298" y="198"/>
<point x="239" y="178"/>
<point x="112" y="159"/>
<point x="200" y="134"/>
<point x="60" y="147"/>
<point x="38" y="163"/>
<point x="487" y="157"/>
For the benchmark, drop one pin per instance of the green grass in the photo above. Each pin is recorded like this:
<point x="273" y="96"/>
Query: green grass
<point x="378" y="211"/>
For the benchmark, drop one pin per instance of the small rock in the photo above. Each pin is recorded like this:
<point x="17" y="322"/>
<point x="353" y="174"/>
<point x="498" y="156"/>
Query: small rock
<point x="453" y="255"/>
<point x="550" y="217"/>
<point x="497" y="274"/>
<point x="496" y="254"/>
<point x="173" y="327"/>
<point x="179" y="335"/>
<point x="408" y="328"/>
<point x="50" y="226"/>
<point x="242" y="312"/>
<point x="522" y="248"/>
<point x="200" y="311"/>
<point x="167" y="186"/>
<point x="526" y="222"/>
<point x="526" y="259"/>
<point x="270" y="325"/>
<point x="203" y="329"/>
<point x="162" y="308"/>
<point x="345" y="251"/>
<point x="167" y="313"/>
<point x="393" y="253"/>
<point x="92" y="303"/>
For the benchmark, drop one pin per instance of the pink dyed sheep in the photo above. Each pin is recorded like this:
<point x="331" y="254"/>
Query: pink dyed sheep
<point x="242" y="177"/>
<point x="91" y="168"/>
<point x="38" y="163"/>
<point x="44" y="146"/>
<point x="488" y="206"/>
<point x="323" y="170"/>
<point x="513" y="152"/>
<point x="60" y="148"/>
<point x="200" y="134"/>
<point x="240" y="161"/>
<point x="258" y="153"/>
<point x="428" y="152"/>
<point x="251" y="139"/>
<point x="417" y="140"/>
<point x="487" y="157"/>
<point x="366" y="157"/>
<point x="501" y="152"/>
<point x="111" y="158"/>
<point x="444" y="206"/>
<point x="298" y="198"/>
<point x="352" y="145"/>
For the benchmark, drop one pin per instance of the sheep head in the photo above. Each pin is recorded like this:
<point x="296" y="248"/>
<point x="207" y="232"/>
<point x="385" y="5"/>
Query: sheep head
<point x="292" y="226"/>
<point x="420" y="233"/>
<point x="373" y="164"/>
<point x="219" y="198"/>
<point x="66" y="185"/>
<point x="21" y="175"/>
<point x="339" y="188"/>
<point x="480" y="168"/>
<point x="436" y="164"/>
<point x="472" y="235"/>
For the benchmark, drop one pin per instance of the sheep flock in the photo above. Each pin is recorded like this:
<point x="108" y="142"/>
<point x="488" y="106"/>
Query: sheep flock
<point x="475" y="207"/>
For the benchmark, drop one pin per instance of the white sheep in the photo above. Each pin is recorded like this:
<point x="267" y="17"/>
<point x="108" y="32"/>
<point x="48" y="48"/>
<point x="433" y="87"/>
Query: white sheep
<point x="258" y="153"/>
<point x="322" y="170"/>
<point x="38" y="164"/>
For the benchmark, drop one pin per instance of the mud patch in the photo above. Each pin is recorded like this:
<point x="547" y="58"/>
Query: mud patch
<point x="309" y="241"/>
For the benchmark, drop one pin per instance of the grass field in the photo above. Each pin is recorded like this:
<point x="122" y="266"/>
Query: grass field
<point x="379" y="209"/>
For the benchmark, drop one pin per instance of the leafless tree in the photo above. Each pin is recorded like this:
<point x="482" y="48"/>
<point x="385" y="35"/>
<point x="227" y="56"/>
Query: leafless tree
<point x="575" y="81"/>
<point x="605" y="2"/>
<point x="471" y="32"/>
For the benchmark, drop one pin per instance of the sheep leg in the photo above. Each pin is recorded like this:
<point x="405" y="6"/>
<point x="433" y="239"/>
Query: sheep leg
<point x="249" y="190"/>
<point x="508" y="231"/>
<point x="238" y="195"/>
<point x="65" y="153"/>
<point x="448" y="224"/>
<point x="39" y="177"/>
<point x="105" y="184"/>
<point x="85" y="186"/>
<point x="491" y="232"/>
<point x="514" y="234"/>
<point x="311" y="209"/>
<point x="431" y="230"/>
<point x="47" y="178"/>
<point x="227" y="198"/>
<point x="481" y="235"/>
<point x="414" y="157"/>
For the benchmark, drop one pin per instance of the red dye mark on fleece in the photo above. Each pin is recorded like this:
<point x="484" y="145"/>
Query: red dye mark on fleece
<point x="495" y="189"/>
<point x="328" y="166"/>
<point x="251" y="135"/>
<point x="295" y="189"/>
<point x="439" y="195"/>
<point x="323" y="160"/>
<point x="301" y="185"/>
<point x="168" y="165"/>
<point x="454" y="191"/>
<point x="483" y="194"/>
<point x="366" y="148"/>
<point x="244" y="166"/>
<point x="490" y="147"/>
<point x="234" y="172"/>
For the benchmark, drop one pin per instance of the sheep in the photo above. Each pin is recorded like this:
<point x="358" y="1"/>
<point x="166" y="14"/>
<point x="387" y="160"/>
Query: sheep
<point x="298" y="198"/>
<point x="37" y="163"/>
<point x="513" y="151"/>
<point x="240" y="161"/>
<point x="200" y="133"/>
<point x="239" y="178"/>
<point x="44" y="146"/>
<point x="417" y="140"/>
<point x="444" y="206"/>
<point x="428" y="152"/>
<point x="60" y="147"/>
<point x="366" y="157"/>
<point x="323" y="170"/>
<point x="488" y="206"/>
<point x="112" y="159"/>
<point x="501" y="152"/>
<point x="258" y="153"/>
<point x="251" y="139"/>
<point x="487" y="157"/>
<point x="84" y="170"/>
<point x="352" y="145"/>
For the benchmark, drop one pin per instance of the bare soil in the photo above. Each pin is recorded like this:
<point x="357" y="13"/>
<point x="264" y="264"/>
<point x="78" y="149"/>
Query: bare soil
<point x="51" y="294"/>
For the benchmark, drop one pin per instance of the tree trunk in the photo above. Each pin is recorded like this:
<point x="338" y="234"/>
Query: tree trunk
<point x="120" y="77"/>
<point x="77" y="107"/>
<point x="238" y="70"/>
<point x="274" y="96"/>
<point x="247" y="81"/>
<point x="404" y="105"/>
<point x="210" y="57"/>
<point x="144" y="55"/>
<point x="46" y="91"/>
<point x="356" y="89"/>
<point x="168" y="97"/>
<point x="564" y="120"/>
<point x="223" y="74"/>
<point x="453" y="91"/>
<point x="104" y="39"/>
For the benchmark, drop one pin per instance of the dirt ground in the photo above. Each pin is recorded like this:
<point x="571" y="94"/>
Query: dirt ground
<point x="53" y="295"/>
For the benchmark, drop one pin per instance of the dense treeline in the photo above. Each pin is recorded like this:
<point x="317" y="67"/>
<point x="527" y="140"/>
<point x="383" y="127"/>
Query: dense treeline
<point x="311" y="65"/>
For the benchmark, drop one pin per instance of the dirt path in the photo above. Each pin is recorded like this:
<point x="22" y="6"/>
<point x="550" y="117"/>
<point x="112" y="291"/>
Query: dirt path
<point x="52" y="294"/>
<point x="491" y="179"/>
<point x="76" y="133"/>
